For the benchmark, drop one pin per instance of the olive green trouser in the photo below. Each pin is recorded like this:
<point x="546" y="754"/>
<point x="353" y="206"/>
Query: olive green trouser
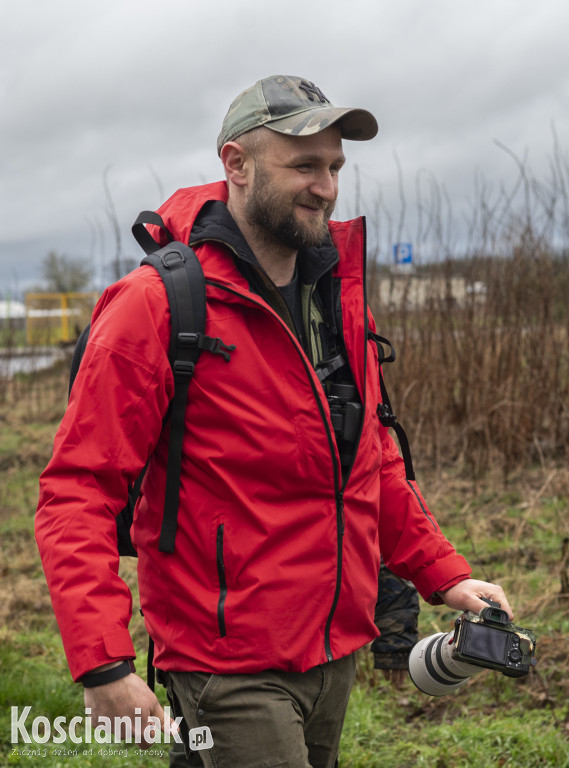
<point x="268" y="720"/>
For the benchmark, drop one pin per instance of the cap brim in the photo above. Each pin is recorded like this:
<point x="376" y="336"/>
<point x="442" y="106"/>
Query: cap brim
<point x="355" y="124"/>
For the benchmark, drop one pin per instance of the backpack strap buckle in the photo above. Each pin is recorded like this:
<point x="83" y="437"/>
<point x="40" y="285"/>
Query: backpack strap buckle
<point x="189" y="340"/>
<point x="386" y="415"/>
<point x="217" y="347"/>
<point x="183" y="369"/>
<point x="199" y="341"/>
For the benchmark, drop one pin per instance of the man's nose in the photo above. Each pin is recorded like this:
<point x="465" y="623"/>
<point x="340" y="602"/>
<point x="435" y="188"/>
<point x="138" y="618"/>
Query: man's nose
<point x="325" y="186"/>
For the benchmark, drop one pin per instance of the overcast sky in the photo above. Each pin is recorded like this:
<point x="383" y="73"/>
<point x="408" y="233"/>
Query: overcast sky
<point x="136" y="90"/>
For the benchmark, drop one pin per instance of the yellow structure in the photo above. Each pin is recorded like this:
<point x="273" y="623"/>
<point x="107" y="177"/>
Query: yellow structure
<point x="57" y="318"/>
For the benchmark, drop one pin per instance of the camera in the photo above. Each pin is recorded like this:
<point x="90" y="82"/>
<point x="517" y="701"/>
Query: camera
<point x="441" y="663"/>
<point x="344" y="402"/>
<point x="346" y="416"/>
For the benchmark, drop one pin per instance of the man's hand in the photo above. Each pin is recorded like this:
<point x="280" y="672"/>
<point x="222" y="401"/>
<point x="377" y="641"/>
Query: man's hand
<point x="465" y="596"/>
<point x="119" y="699"/>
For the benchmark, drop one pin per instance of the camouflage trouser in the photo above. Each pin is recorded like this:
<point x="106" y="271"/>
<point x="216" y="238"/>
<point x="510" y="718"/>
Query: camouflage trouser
<point x="272" y="719"/>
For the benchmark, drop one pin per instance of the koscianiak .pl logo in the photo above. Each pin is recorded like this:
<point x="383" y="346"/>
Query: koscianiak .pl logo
<point x="39" y="729"/>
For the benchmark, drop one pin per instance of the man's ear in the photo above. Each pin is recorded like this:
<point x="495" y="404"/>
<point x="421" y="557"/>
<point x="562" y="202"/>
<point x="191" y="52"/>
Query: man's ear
<point x="236" y="162"/>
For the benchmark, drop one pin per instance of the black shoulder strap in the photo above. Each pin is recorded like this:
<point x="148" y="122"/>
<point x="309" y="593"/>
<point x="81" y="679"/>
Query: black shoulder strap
<point x="384" y="410"/>
<point x="78" y="354"/>
<point x="184" y="281"/>
<point x="183" y="278"/>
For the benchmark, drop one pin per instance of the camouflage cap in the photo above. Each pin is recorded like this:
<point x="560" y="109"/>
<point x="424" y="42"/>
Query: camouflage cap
<point x="294" y="106"/>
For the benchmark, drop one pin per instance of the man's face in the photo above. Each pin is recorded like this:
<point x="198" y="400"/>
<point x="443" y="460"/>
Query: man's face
<point x="295" y="187"/>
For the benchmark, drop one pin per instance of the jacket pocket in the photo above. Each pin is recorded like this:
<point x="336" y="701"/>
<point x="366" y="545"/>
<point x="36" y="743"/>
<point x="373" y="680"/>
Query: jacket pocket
<point x="222" y="582"/>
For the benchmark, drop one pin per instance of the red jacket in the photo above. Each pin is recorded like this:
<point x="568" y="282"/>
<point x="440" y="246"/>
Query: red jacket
<point x="275" y="564"/>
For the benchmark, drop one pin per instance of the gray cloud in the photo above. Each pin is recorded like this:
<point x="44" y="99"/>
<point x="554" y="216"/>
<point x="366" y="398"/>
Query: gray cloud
<point x="142" y="88"/>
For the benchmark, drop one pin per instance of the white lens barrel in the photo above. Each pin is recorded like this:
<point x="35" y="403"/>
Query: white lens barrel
<point x="432" y="668"/>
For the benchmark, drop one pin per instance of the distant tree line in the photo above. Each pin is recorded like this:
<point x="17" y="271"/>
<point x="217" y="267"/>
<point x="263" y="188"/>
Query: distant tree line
<point x="63" y="274"/>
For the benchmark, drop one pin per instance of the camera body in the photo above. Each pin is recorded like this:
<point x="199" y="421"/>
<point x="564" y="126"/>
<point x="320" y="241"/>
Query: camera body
<point x="442" y="663"/>
<point x="346" y="415"/>
<point x="488" y="639"/>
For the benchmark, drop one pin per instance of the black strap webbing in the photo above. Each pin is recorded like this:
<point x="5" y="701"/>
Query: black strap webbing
<point x="184" y="281"/>
<point x="142" y="235"/>
<point x="78" y="353"/>
<point x="385" y="411"/>
<point x="150" y="671"/>
<point x="183" y="278"/>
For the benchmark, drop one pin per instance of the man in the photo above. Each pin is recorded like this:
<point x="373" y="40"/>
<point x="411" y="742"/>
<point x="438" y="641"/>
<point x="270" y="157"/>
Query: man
<point x="290" y="485"/>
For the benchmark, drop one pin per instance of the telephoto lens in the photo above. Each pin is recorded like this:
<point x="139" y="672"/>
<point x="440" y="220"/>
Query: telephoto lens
<point x="441" y="663"/>
<point x="433" y="669"/>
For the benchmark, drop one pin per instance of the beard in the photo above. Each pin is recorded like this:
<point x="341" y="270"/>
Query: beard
<point x="273" y="215"/>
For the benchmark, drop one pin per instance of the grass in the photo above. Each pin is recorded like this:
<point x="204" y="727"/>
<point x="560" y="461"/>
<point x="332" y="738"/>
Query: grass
<point x="512" y="533"/>
<point x="384" y="728"/>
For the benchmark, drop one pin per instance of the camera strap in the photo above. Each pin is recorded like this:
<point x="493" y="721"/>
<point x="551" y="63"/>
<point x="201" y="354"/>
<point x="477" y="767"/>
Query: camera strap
<point x="327" y="367"/>
<point x="384" y="410"/>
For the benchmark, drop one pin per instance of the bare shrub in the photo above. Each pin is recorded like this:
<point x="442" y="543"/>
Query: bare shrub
<point x="482" y="375"/>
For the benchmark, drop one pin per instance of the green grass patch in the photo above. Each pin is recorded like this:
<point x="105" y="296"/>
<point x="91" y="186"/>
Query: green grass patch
<point x="407" y="729"/>
<point x="512" y="534"/>
<point x="35" y="673"/>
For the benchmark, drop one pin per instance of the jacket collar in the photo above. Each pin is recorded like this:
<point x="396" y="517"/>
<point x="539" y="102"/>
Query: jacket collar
<point x="215" y="223"/>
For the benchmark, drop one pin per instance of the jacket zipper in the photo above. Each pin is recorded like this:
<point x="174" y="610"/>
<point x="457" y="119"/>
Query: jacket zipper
<point x="222" y="582"/>
<point x="331" y="444"/>
<point x="341" y="522"/>
<point x="338" y="486"/>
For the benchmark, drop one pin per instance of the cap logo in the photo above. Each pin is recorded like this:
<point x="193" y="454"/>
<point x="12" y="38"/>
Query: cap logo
<point x="313" y="92"/>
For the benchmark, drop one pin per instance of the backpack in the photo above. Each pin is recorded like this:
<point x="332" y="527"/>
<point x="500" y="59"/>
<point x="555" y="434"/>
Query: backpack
<point x="183" y="278"/>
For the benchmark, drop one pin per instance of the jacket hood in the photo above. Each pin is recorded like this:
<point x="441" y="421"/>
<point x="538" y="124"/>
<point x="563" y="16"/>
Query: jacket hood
<point x="180" y="211"/>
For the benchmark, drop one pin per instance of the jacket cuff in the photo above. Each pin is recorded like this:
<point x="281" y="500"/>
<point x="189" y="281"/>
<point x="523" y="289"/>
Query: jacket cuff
<point x="441" y="575"/>
<point x="114" y="645"/>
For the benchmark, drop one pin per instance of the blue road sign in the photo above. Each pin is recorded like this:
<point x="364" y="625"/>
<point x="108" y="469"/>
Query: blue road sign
<point x="403" y="253"/>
